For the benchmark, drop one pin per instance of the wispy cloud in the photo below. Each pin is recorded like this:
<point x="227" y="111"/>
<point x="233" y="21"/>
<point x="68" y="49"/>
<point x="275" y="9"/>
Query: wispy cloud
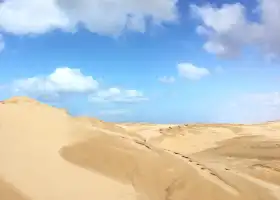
<point x="116" y="95"/>
<point x="192" y="72"/>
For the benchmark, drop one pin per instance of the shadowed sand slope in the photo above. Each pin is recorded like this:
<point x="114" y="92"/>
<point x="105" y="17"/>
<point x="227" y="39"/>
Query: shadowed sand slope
<point x="31" y="135"/>
<point x="48" y="155"/>
<point x="158" y="174"/>
<point x="256" y="156"/>
<point x="9" y="192"/>
<point x="261" y="148"/>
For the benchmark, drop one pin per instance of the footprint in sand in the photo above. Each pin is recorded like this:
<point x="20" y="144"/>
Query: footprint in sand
<point x="212" y="173"/>
<point x="185" y="157"/>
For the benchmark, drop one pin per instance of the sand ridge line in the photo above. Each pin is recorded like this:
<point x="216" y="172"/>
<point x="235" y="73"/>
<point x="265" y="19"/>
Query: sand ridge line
<point x="273" y="188"/>
<point x="266" y="167"/>
<point x="29" y="157"/>
<point x="156" y="174"/>
<point x="206" y="172"/>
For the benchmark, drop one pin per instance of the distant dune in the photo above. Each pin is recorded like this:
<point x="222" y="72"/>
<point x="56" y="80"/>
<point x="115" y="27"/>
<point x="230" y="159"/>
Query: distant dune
<point x="46" y="154"/>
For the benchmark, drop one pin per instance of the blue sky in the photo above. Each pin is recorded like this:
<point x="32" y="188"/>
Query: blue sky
<point x="162" y="61"/>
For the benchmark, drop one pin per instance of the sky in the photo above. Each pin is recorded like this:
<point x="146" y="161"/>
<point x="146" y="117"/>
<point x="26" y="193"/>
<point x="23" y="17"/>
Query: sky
<point x="157" y="61"/>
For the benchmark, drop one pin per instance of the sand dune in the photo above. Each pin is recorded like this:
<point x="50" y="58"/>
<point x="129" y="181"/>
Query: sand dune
<point x="45" y="154"/>
<point x="9" y="192"/>
<point x="257" y="156"/>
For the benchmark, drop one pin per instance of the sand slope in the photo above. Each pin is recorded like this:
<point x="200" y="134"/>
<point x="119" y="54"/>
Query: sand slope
<point x="31" y="135"/>
<point x="45" y="154"/>
<point x="9" y="192"/>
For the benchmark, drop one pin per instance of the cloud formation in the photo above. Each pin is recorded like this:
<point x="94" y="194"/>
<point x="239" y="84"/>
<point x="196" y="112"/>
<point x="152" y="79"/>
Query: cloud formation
<point x="61" y="81"/>
<point x="98" y="16"/>
<point x="116" y="95"/>
<point x="228" y="30"/>
<point x="72" y="81"/>
<point x="191" y="72"/>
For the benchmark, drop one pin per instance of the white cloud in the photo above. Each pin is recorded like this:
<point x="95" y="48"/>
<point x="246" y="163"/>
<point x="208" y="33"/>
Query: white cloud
<point x="167" y="79"/>
<point x="68" y="81"/>
<point x="252" y="108"/>
<point x="228" y="30"/>
<point x="62" y="80"/>
<point x="191" y="72"/>
<point x="34" y="16"/>
<point x="114" y="112"/>
<point x="98" y="16"/>
<point x="117" y="95"/>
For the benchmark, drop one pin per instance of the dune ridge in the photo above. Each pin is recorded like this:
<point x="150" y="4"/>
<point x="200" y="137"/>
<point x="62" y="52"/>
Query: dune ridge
<point x="46" y="154"/>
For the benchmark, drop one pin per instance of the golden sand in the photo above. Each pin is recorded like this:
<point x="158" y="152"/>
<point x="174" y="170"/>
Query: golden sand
<point x="46" y="154"/>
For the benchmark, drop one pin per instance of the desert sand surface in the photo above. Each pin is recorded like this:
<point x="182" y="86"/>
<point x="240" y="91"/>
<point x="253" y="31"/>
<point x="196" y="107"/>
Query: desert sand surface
<point x="8" y="191"/>
<point x="46" y="154"/>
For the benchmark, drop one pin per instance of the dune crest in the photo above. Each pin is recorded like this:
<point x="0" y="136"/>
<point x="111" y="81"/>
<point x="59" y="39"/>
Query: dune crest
<point x="46" y="154"/>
